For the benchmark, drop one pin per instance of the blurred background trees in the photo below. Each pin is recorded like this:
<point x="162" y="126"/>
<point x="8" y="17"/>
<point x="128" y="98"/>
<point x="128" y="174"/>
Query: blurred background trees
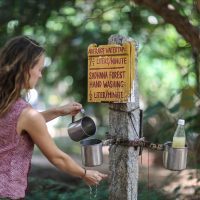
<point x="168" y="62"/>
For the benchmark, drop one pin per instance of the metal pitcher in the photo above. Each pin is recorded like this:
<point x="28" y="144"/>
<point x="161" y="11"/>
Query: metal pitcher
<point x="174" y="158"/>
<point x="82" y="128"/>
<point x="91" y="152"/>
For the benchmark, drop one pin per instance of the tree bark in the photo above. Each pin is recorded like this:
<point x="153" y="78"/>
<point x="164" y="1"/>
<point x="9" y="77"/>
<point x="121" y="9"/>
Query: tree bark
<point x="196" y="58"/>
<point x="124" y="160"/>
<point x="181" y="23"/>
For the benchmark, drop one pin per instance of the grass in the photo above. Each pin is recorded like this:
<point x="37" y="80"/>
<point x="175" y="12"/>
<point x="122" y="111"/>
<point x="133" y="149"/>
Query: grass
<point x="48" y="189"/>
<point x="54" y="190"/>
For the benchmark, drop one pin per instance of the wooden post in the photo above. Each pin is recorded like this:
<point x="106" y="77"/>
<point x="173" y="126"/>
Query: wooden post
<point x="124" y="125"/>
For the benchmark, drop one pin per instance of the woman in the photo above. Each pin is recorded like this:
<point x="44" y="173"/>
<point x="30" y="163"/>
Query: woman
<point x="21" y="126"/>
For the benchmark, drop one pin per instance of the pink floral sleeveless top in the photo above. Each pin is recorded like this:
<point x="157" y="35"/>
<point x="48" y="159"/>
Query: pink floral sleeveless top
<point x="15" y="154"/>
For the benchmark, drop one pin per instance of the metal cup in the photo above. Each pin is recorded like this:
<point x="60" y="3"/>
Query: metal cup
<point x="91" y="152"/>
<point x="81" y="129"/>
<point x="174" y="158"/>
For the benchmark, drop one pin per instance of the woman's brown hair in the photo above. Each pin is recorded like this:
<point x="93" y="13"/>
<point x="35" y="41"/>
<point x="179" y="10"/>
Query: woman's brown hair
<point x="17" y="57"/>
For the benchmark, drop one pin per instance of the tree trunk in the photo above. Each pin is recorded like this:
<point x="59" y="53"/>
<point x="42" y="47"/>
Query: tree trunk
<point x="124" y="125"/>
<point x="196" y="57"/>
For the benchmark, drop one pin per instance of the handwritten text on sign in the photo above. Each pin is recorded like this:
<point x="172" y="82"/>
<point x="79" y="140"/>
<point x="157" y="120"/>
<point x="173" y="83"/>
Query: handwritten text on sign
<point x="109" y="73"/>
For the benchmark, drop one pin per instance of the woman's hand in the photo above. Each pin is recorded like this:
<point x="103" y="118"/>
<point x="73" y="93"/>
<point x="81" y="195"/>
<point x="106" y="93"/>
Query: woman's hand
<point x="70" y="109"/>
<point x="92" y="177"/>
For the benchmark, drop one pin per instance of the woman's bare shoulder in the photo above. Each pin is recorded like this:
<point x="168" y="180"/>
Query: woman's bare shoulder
<point x="31" y="114"/>
<point x="30" y="119"/>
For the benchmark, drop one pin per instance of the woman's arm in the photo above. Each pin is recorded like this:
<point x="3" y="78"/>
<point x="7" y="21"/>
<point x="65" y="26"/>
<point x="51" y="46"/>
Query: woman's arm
<point x="34" y="123"/>
<point x="71" y="108"/>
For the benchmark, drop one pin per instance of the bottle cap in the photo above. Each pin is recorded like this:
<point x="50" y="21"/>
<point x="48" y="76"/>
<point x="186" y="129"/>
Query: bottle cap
<point x="181" y="121"/>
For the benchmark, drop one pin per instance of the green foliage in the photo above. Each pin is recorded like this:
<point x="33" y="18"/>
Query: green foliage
<point x="51" y="190"/>
<point x="145" y="193"/>
<point x="66" y="28"/>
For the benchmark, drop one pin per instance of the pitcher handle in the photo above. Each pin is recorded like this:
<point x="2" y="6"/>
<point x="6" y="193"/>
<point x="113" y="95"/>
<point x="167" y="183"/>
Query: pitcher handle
<point x="73" y="119"/>
<point x="82" y="112"/>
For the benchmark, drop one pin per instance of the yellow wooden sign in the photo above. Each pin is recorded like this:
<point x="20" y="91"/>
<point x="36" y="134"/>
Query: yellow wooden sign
<point x="110" y="72"/>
